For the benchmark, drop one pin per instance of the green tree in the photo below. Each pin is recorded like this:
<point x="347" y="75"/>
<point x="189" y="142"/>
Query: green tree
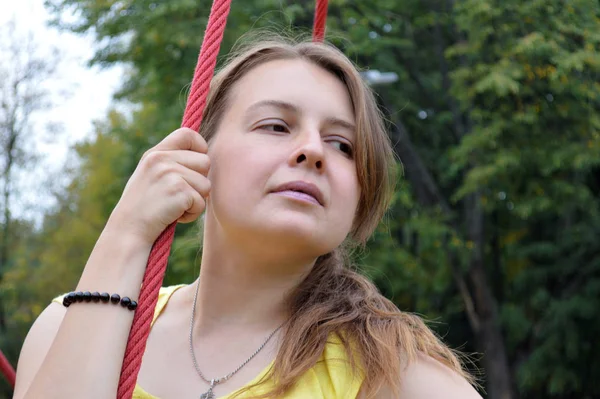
<point x="495" y="118"/>
<point x="21" y="96"/>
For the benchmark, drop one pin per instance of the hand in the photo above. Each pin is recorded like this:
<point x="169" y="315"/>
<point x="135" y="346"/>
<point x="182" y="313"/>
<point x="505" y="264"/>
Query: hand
<point x="169" y="184"/>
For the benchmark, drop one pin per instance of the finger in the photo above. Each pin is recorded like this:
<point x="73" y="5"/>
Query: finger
<point x="195" y="161"/>
<point x="183" y="139"/>
<point x="164" y="162"/>
<point x="189" y="217"/>
<point x="197" y="181"/>
<point x="195" y="210"/>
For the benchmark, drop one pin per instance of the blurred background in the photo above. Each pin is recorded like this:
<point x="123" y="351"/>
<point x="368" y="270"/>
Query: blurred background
<point x="493" y="108"/>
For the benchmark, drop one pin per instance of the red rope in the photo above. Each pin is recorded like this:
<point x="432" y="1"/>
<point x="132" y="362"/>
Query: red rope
<point x="157" y="261"/>
<point x="320" y="19"/>
<point x="7" y="370"/>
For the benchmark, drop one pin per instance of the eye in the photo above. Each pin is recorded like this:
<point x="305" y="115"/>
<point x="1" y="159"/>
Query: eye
<point x="275" y="127"/>
<point x="344" y="147"/>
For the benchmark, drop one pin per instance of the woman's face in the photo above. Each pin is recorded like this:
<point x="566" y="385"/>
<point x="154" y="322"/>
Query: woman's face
<point x="282" y="167"/>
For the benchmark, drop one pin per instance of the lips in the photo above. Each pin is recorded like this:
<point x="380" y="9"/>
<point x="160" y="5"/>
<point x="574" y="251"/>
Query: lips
<point x="302" y="187"/>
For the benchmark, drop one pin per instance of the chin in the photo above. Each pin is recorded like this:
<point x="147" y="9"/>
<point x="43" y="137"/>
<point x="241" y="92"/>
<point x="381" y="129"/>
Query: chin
<point x="285" y="230"/>
<point x="296" y="238"/>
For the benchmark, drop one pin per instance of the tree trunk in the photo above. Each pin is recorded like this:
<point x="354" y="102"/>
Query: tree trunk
<point x="477" y="294"/>
<point x="21" y="95"/>
<point x="484" y="317"/>
<point x="488" y="330"/>
<point x="6" y="233"/>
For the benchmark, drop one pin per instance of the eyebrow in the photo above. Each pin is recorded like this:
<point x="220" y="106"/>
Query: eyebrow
<point x="341" y="123"/>
<point x="274" y="103"/>
<point x="292" y="108"/>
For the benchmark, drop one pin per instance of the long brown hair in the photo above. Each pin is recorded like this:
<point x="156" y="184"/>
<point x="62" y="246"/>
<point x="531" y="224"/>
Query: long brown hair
<point x="378" y="338"/>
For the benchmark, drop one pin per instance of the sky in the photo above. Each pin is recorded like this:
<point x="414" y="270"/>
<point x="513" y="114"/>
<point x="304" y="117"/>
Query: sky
<point x="78" y="95"/>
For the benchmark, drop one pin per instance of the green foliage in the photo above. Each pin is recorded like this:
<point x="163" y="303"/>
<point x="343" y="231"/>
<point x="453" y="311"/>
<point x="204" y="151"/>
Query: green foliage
<point x="501" y="101"/>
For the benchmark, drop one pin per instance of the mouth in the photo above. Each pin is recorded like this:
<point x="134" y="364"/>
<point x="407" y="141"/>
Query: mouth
<point x="301" y="190"/>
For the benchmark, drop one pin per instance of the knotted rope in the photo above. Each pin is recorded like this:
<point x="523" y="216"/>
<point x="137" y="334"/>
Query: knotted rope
<point x="157" y="261"/>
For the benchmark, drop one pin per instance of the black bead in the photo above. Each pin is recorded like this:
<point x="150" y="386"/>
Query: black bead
<point x="95" y="296"/>
<point x="71" y="296"/>
<point x="105" y="297"/>
<point x="125" y="301"/>
<point x="79" y="296"/>
<point x="115" y="298"/>
<point x="87" y="296"/>
<point x="66" y="302"/>
<point x="132" y="305"/>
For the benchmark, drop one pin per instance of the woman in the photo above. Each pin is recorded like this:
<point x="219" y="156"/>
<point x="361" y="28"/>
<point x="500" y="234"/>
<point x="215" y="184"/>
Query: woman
<point x="292" y="168"/>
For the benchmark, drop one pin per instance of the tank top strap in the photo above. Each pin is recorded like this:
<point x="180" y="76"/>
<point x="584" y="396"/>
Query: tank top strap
<point x="163" y="297"/>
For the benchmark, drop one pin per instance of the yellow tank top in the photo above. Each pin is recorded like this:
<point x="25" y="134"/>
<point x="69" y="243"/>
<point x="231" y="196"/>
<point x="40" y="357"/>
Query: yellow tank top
<point x="330" y="378"/>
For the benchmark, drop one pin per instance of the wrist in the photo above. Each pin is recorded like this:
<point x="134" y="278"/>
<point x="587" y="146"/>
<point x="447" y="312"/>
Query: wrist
<point x="125" y="228"/>
<point x="126" y="237"/>
<point x="116" y="264"/>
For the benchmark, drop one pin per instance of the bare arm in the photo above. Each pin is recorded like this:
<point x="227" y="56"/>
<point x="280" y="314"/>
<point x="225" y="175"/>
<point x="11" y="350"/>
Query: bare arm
<point x="69" y="351"/>
<point x="78" y="352"/>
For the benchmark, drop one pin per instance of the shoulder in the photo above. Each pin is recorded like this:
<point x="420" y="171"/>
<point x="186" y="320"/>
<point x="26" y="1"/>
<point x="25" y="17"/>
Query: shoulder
<point x="427" y="378"/>
<point x="36" y="345"/>
<point x="165" y="296"/>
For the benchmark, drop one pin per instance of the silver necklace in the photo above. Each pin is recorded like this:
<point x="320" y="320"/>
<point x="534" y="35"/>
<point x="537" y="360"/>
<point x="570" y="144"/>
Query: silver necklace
<point x="216" y="381"/>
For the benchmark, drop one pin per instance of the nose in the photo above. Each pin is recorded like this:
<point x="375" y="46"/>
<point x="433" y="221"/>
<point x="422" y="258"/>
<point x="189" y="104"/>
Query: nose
<point x="309" y="151"/>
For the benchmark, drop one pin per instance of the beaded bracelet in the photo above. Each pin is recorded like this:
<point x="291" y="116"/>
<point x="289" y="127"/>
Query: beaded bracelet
<point x="87" y="296"/>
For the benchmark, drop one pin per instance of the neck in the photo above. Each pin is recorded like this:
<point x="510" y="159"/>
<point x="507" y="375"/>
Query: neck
<point x="241" y="286"/>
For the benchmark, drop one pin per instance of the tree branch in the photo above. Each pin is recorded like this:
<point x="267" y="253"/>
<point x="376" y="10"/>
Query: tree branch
<point x="426" y="190"/>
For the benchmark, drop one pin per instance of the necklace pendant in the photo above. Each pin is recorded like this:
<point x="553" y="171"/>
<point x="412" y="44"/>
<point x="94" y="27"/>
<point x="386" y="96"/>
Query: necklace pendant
<point x="208" y="394"/>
